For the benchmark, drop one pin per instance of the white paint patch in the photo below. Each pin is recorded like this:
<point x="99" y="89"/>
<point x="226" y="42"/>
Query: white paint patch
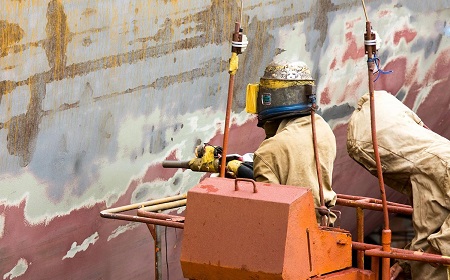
<point x="19" y="66"/>
<point x="83" y="247"/>
<point x="292" y="40"/>
<point x="122" y="229"/>
<point x="14" y="103"/>
<point x="20" y="269"/>
<point x="13" y="190"/>
<point x="2" y="225"/>
<point x="447" y="31"/>
<point x="180" y="183"/>
<point x="109" y="187"/>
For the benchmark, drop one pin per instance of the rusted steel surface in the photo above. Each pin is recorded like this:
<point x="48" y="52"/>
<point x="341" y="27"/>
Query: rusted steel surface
<point x="348" y="274"/>
<point x="94" y="95"/>
<point x="375" y="267"/>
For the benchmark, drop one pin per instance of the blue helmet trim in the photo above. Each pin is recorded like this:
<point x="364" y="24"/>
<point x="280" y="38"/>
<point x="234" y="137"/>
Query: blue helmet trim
<point x="284" y="112"/>
<point x="275" y="111"/>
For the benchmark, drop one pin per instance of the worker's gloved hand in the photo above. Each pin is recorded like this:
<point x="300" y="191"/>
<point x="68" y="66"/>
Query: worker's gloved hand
<point x="232" y="167"/>
<point x="395" y="271"/>
<point x="208" y="162"/>
<point x="400" y="270"/>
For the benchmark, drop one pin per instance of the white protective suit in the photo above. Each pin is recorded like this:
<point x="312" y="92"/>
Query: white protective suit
<point x="415" y="162"/>
<point x="288" y="158"/>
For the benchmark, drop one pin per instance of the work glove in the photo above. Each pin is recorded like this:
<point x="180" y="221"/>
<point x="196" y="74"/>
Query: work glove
<point x="206" y="161"/>
<point x="232" y="167"/>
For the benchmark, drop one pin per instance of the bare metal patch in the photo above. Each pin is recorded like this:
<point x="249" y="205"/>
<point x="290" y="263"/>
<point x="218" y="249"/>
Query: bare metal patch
<point x="122" y="229"/>
<point x="19" y="270"/>
<point x="74" y="249"/>
<point x="10" y="33"/>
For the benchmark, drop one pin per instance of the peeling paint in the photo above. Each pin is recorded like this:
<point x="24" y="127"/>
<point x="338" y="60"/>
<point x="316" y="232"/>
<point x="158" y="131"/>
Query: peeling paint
<point x="447" y="31"/>
<point x="2" y="225"/>
<point x="95" y="94"/>
<point x="75" y="249"/>
<point x="19" y="270"/>
<point x="58" y="37"/>
<point x="15" y="103"/>
<point x="23" y="129"/>
<point x="6" y="87"/>
<point x="407" y="34"/>
<point x="10" y="33"/>
<point x="122" y="229"/>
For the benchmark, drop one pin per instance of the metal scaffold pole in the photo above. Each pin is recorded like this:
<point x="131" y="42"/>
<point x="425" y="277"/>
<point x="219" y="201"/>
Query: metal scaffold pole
<point x="238" y="45"/>
<point x="370" y="48"/>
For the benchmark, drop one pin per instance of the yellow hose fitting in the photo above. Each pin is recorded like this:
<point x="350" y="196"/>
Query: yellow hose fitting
<point x="234" y="63"/>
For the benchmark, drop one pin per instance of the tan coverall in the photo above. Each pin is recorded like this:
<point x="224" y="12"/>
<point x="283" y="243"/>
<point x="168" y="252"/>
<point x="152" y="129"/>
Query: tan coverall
<point x="416" y="162"/>
<point x="287" y="158"/>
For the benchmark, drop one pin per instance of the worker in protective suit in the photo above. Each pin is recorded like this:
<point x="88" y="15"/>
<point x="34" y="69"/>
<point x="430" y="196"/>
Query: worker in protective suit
<point x="415" y="162"/>
<point x="283" y="101"/>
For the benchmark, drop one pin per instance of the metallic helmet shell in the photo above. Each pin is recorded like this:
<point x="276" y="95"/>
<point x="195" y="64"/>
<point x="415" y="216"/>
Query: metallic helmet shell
<point x="293" y="71"/>
<point x="285" y="90"/>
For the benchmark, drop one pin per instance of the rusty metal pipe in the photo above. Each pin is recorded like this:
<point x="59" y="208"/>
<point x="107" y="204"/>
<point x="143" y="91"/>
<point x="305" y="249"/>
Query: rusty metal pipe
<point x="226" y="130"/>
<point x="373" y="206"/>
<point x="142" y="204"/>
<point x="371" y="200"/>
<point x="386" y="234"/>
<point x="429" y="258"/>
<point x="157" y="204"/>
<point x="165" y="206"/>
<point x="386" y="237"/>
<point x="360" y="235"/>
<point x="223" y="161"/>
<point x="152" y="222"/>
<point x="160" y="216"/>
<point x="157" y="249"/>
<point x="375" y="267"/>
<point x="370" y="49"/>
<point x="143" y="220"/>
<point x="395" y="253"/>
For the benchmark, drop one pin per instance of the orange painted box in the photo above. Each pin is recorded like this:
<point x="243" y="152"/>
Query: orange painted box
<point x="240" y="229"/>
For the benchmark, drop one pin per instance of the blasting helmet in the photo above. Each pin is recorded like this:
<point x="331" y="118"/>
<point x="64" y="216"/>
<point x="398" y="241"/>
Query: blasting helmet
<point x="285" y="90"/>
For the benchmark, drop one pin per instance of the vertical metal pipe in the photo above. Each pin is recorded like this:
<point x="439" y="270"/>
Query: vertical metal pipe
<point x="318" y="166"/>
<point x="223" y="161"/>
<point x="157" y="250"/>
<point x="360" y="235"/>
<point x="375" y="267"/>
<point x="386" y="236"/>
<point x="158" y="257"/>
<point x="156" y="234"/>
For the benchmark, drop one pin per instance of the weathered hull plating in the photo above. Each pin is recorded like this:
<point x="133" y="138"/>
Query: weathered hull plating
<point x="94" y="95"/>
